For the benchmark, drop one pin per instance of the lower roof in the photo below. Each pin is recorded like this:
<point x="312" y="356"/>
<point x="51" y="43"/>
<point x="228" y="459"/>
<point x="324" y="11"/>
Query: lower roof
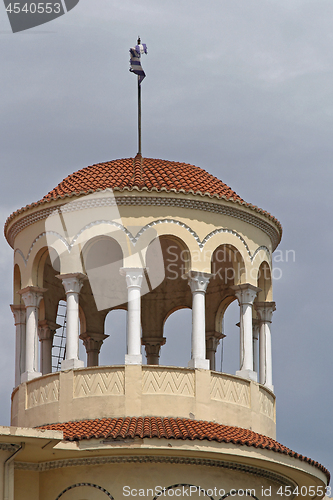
<point x="172" y="428"/>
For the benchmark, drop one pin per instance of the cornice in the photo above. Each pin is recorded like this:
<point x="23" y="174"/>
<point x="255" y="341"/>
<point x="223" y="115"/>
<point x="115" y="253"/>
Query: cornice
<point x="270" y="226"/>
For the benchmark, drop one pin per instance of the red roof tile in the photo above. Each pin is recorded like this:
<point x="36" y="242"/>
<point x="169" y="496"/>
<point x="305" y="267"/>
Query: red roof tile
<point x="142" y="173"/>
<point x="172" y="428"/>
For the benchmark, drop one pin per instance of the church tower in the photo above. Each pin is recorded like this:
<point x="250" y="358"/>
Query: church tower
<point x="150" y="237"/>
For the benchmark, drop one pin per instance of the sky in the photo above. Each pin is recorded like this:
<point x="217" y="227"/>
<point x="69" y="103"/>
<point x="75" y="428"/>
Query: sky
<point x="241" y="88"/>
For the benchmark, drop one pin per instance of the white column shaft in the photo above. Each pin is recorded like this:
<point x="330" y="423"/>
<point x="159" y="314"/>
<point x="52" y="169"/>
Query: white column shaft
<point x="246" y="293"/>
<point x="134" y="321"/>
<point x="31" y="353"/>
<point x="247" y="354"/>
<point x="72" y="326"/>
<point x="134" y="277"/>
<point x="19" y="321"/>
<point x="198" y="283"/>
<point x="72" y="284"/>
<point x="198" y="325"/>
<point x="262" y="354"/>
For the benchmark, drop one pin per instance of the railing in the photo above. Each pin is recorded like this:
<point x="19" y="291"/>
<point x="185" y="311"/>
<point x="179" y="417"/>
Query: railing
<point x="133" y="390"/>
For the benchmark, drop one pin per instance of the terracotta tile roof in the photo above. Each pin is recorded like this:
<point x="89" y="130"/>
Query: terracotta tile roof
<point x="172" y="428"/>
<point x="142" y="173"/>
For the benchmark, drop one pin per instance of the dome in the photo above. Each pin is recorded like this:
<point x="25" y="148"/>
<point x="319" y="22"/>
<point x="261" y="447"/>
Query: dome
<point x="142" y="173"/>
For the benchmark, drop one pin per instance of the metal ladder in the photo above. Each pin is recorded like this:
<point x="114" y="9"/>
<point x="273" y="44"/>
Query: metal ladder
<point x="59" y="339"/>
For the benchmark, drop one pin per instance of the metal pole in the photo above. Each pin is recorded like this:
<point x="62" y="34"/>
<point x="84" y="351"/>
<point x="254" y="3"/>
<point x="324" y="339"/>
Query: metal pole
<point x="139" y="116"/>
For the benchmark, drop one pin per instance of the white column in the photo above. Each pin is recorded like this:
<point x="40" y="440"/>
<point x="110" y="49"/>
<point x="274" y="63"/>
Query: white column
<point x="72" y="284"/>
<point x="19" y="319"/>
<point x="93" y="343"/>
<point x="31" y="297"/>
<point x="134" y="277"/>
<point x="246" y="294"/>
<point x="265" y="312"/>
<point x="198" y="283"/>
<point x="212" y="342"/>
<point x="255" y="326"/>
<point x="46" y="331"/>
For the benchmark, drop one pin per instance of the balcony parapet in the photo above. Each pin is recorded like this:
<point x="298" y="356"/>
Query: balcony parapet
<point x="134" y="390"/>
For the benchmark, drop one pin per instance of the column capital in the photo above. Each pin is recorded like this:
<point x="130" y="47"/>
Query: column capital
<point x="255" y="328"/>
<point x="72" y="282"/>
<point x="153" y="345"/>
<point x="133" y="275"/>
<point x="32" y="295"/>
<point x="18" y="313"/>
<point x="93" y="341"/>
<point x="213" y="340"/>
<point x="245" y="293"/>
<point x="265" y="311"/>
<point x="198" y="281"/>
<point x="46" y="329"/>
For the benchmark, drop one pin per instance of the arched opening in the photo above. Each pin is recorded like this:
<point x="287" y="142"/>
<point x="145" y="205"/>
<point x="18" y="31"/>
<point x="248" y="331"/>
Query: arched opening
<point x="171" y="294"/>
<point x="102" y="260"/>
<point x="227" y="355"/>
<point x="114" y="348"/>
<point x="177" y="331"/>
<point x="264" y="283"/>
<point x="17" y="285"/>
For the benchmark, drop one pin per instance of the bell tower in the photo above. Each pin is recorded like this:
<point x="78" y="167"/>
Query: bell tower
<point x="150" y="237"/>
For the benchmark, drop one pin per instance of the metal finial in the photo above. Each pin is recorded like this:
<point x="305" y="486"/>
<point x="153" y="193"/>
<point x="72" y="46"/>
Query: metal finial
<point x="139" y="40"/>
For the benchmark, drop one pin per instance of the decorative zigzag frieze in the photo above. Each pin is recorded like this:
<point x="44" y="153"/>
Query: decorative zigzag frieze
<point x="229" y="390"/>
<point x="267" y="404"/>
<point x="41" y="393"/>
<point x="99" y="383"/>
<point x="175" y="382"/>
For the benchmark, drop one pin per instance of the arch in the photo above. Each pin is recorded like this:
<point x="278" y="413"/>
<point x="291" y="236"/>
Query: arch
<point x="102" y="258"/>
<point x="264" y="281"/>
<point x="174" y="254"/>
<point x="182" y="486"/>
<point x="91" y="485"/>
<point x="17" y="285"/>
<point x="228" y="259"/>
<point x="233" y="494"/>
<point x="221" y="311"/>
<point x="37" y="268"/>
<point x="113" y="349"/>
<point x="177" y="331"/>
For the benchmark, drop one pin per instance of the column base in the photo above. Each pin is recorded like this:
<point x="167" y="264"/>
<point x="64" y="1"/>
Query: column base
<point x="270" y="387"/>
<point x="199" y="363"/>
<point x="249" y="374"/>
<point x="133" y="359"/>
<point x="26" y="376"/>
<point x="71" y="364"/>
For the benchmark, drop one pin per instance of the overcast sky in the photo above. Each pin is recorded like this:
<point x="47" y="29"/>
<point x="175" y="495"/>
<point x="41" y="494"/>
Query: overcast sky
<point x="242" y="88"/>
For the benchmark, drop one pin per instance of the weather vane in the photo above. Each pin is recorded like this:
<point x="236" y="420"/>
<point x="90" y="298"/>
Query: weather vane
<point x="135" y="62"/>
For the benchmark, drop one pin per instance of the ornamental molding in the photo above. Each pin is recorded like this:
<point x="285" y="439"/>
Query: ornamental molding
<point x="268" y="228"/>
<point x="9" y="447"/>
<point x="91" y="485"/>
<point x="134" y="239"/>
<point x="147" y="459"/>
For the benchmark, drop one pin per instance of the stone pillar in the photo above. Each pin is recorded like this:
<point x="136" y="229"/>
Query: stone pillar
<point x="134" y="277"/>
<point x="93" y="343"/>
<point x="198" y="283"/>
<point x="19" y="320"/>
<point x="265" y="312"/>
<point x="246" y="294"/>
<point x="31" y="296"/>
<point x="153" y="347"/>
<point x="46" y="330"/>
<point x="255" y="328"/>
<point x="72" y="284"/>
<point x="212" y="342"/>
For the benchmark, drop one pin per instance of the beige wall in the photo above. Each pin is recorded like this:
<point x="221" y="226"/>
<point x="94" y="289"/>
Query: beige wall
<point x="142" y="391"/>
